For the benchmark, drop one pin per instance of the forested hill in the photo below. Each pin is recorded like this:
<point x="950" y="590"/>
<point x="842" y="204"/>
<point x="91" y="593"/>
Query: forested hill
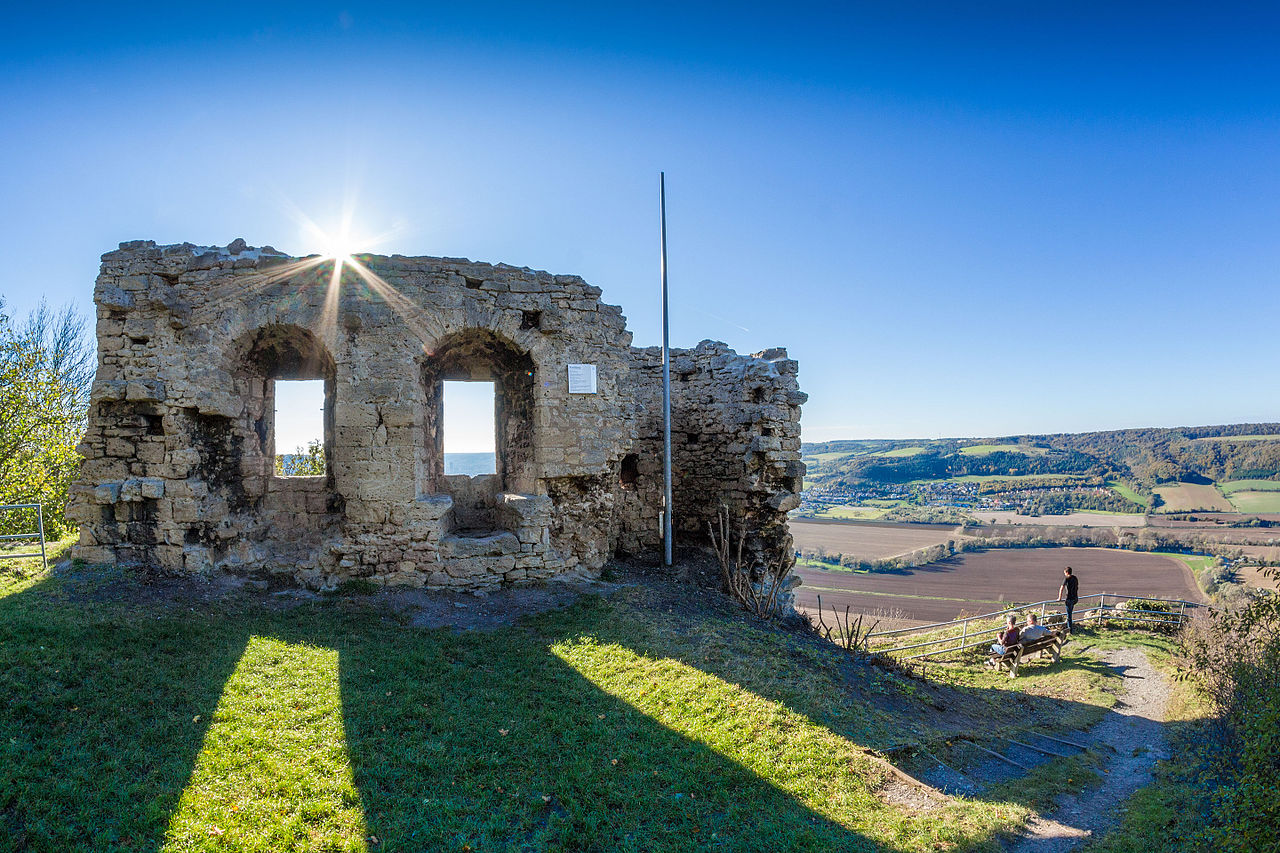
<point x="1144" y="457"/>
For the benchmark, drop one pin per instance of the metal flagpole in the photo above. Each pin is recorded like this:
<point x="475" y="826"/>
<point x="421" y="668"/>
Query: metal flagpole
<point x="666" y="383"/>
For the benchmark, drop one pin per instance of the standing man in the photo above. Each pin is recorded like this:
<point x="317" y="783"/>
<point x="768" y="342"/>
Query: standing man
<point x="1071" y="589"/>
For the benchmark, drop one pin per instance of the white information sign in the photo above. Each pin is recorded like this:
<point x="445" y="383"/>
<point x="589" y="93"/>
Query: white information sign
<point x="582" y="379"/>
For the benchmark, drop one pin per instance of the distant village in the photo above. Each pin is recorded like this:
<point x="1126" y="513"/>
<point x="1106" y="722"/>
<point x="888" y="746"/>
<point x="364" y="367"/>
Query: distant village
<point x="956" y="495"/>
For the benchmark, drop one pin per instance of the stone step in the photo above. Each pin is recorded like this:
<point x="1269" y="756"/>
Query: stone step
<point x="494" y="544"/>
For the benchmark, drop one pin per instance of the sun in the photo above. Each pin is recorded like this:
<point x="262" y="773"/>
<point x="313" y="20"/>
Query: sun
<point x="339" y="246"/>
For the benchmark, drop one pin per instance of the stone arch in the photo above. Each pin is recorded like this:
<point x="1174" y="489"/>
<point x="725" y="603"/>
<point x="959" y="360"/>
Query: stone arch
<point x="482" y="355"/>
<point x="283" y="351"/>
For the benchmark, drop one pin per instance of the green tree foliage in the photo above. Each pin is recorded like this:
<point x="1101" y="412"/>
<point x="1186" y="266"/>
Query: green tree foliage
<point x="46" y="372"/>
<point x="305" y="462"/>
<point x="1235" y="658"/>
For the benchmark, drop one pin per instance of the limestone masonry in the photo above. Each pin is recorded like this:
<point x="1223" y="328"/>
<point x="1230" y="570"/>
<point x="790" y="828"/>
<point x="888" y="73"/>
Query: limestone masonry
<point x="179" y="456"/>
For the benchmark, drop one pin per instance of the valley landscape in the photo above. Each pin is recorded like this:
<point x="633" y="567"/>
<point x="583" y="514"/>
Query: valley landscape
<point x="926" y="530"/>
<point x="453" y="485"/>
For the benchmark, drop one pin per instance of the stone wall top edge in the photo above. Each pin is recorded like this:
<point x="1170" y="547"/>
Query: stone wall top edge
<point x="239" y="248"/>
<point x="713" y="348"/>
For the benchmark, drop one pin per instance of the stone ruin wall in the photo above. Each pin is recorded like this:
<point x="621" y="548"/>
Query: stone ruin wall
<point x="735" y="442"/>
<point x="178" y="469"/>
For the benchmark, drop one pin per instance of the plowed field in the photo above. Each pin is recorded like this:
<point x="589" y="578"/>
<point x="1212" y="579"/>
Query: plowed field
<point x="986" y="581"/>
<point x="1188" y="497"/>
<point x="868" y="541"/>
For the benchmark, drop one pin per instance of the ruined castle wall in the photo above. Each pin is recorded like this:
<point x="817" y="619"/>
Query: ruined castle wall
<point x="179" y="454"/>
<point x="735" y="438"/>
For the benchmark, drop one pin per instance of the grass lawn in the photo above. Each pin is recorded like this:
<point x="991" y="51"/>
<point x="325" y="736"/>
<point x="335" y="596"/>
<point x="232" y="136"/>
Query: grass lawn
<point x="1230" y="487"/>
<point x="639" y="722"/>
<point x="1255" y="501"/>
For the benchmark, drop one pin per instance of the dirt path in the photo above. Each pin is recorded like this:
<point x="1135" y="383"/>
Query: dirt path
<point x="1135" y="731"/>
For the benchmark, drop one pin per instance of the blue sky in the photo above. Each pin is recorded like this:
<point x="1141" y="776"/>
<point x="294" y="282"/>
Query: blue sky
<point x="963" y="219"/>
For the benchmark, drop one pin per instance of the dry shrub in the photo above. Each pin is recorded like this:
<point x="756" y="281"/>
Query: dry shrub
<point x="845" y="631"/>
<point x="755" y="588"/>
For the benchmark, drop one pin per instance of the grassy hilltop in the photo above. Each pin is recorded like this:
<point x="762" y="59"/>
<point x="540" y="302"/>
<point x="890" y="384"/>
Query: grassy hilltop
<point x="181" y="718"/>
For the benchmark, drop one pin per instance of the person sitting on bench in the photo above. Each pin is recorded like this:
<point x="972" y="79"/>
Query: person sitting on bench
<point x="1006" y="638"/>
<point x="1034" y="630"/>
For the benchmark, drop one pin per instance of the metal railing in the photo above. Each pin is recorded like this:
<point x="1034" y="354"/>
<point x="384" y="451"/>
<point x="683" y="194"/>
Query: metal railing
<point x="971" y="636"/>
<point x="39" y="534"/>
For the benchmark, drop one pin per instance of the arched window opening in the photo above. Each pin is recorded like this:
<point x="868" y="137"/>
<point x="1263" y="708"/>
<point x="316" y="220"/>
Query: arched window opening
<point x="291" y="379"/>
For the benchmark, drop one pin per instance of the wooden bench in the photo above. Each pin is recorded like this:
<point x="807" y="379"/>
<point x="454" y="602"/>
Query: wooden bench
<point x="1012" y="657"/>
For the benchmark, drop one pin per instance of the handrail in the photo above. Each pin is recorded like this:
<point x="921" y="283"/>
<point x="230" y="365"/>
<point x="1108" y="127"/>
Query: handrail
<point x="1102" y="610"/>
<point x="39" y="534"/>
<point x="1013" y="608"/>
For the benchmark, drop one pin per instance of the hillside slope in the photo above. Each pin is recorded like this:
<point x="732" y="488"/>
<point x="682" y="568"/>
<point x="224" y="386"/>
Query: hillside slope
<point x="1142" y="456"/>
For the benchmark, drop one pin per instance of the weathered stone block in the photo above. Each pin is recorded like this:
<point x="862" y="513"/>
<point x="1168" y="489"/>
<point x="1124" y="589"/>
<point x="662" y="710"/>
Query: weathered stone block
<point x="479" y="546"/>
<point x="146" y="389"/>
<point x="107" y="493"/>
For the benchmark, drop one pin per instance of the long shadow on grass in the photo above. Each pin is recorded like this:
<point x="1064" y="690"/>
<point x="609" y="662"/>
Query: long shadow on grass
<point x="102" y="719"/>
<point x="523" y="739"/>
<point x="107" y="708"/>
<point x="497" y="743"/>
<point x="586" y="730"/>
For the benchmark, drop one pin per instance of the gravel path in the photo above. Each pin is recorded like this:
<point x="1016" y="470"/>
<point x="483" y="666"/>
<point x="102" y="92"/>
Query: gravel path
<point x="1134" y="729"/>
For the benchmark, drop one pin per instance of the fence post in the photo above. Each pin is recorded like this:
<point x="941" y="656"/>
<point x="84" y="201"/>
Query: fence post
<point x="44" y="561"/>
<point x="1182" y="613"/>
<point x="1102" y="605"/>
<point x="964" y="635"/>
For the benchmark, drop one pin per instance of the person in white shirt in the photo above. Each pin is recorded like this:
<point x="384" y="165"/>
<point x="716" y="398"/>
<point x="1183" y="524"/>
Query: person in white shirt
<point x="1034" y="630"/>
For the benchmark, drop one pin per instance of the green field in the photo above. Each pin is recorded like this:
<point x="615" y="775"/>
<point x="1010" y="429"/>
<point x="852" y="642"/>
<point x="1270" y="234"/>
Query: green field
<point x="901" y="452"/>
<point x="1195" y="562"/>
<point x="828" y="457"/>
<point x="1126" y="492"/>
<point x="988" y="449"/>
<point x="1251" y="501"/>
<point x="810" y="563"/>
<point x="864" y="513"/>
<point x="1230" y="487"/>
